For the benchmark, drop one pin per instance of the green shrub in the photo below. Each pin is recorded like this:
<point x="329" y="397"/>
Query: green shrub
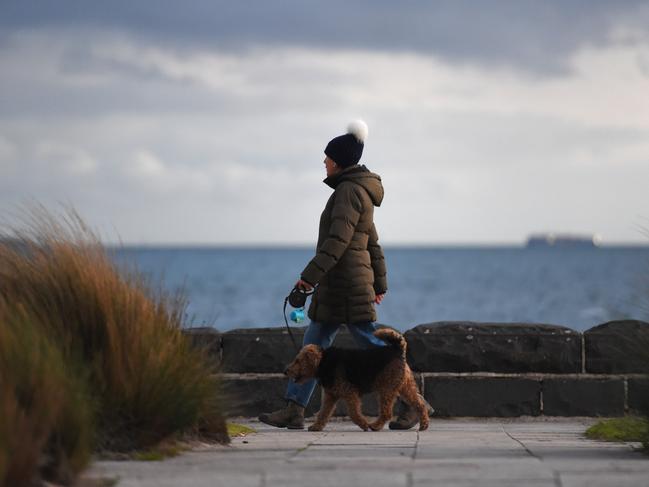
<point x="628" y="428"/>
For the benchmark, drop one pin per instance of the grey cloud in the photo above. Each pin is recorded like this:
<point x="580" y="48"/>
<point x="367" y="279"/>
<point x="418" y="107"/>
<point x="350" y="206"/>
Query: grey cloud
<point x="57" y="101"/>
<point x="74" y="80"/>
<point x="533" y="35"/>
<point x="74" y="120"/>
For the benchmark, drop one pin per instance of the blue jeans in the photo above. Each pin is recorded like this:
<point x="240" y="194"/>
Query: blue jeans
<point x="323" y="335"/>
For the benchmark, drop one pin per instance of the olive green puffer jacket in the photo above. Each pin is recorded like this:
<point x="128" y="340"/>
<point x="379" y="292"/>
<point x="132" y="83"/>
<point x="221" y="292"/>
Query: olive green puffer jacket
<point x="349" y="266"/>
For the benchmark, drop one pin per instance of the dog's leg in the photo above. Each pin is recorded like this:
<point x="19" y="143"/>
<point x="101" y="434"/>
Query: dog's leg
<point x="386" y="403"/>
<point x="410" y="394"/>
<point x="326" y="410"/>
<point x="354" y="409"/>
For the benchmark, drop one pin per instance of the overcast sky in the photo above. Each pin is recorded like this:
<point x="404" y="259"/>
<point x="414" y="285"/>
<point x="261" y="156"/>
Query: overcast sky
<point x="205" y="122"/>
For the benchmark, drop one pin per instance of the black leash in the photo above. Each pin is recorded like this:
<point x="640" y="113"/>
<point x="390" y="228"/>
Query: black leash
<point x="297" y="298"/>
<point x="289" y="328"/>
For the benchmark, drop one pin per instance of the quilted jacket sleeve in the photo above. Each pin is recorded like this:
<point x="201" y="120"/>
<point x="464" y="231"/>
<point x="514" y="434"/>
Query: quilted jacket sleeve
<point x="345" y="213"/>
<point x="378" y="262"/>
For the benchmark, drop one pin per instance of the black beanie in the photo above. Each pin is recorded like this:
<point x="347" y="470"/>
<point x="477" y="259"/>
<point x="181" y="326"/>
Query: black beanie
<point x="346" y="150"/>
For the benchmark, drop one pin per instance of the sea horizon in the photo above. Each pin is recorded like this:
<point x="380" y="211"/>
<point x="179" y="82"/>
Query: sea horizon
<point x="231" y="287"/>
<point x="261" y="246"/>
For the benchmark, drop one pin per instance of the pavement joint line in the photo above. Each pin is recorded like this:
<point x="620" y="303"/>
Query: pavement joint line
<point x="530" y="452"/>
<point x="304" y="448"/>
<point x="414" y="453"/>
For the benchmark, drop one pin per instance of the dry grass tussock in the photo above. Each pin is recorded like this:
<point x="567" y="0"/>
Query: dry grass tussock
<point x="45" y="412"/>
<point x="113" y="337"/>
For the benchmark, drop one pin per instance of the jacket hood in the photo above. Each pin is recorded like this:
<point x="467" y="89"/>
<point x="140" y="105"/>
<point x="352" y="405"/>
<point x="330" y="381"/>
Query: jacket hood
<point x="361" y="175"/>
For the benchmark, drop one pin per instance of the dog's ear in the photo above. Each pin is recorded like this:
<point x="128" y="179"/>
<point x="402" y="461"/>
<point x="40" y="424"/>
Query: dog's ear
<point x="312" y="348"/>
<point x="312" y="355"/>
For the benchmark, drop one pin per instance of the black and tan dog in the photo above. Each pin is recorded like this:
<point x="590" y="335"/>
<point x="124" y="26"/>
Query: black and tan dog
<point x="348" y="374"/>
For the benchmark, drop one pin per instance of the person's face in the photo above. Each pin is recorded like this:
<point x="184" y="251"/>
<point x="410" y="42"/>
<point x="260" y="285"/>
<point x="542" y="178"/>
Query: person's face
<point x="332" y="167"/>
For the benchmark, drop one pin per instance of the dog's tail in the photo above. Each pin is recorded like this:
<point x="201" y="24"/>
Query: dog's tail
<point x="392" y="338"/>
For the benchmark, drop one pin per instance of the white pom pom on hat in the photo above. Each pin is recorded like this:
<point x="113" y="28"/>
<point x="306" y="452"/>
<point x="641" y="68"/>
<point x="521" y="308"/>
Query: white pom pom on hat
<point x="358" y="128"/>
<point x="346" y="150"/>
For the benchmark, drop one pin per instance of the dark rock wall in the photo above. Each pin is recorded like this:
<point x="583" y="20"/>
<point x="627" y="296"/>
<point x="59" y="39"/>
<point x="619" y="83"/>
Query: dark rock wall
<point x="483" y="396"/>
<point x="513" y="347"/>
<point x="583" y="397"/>
<point x="618" y="347"/>
<point x="464" y="368"/>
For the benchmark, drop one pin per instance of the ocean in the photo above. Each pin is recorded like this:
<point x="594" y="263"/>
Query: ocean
<point x="231" y="288"/>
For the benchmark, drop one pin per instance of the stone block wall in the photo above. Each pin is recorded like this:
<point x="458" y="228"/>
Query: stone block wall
<point x="464" y="368"/>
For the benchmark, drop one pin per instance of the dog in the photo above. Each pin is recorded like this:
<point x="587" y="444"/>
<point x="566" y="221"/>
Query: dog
<point x="348" y="374"/>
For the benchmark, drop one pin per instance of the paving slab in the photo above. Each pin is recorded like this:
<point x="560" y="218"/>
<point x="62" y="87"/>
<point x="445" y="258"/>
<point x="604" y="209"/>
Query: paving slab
<point x="527" y="451"/>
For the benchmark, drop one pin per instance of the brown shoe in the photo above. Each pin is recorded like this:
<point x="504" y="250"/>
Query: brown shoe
<point x="408" y="416"/>
<point x="291" y="417"/>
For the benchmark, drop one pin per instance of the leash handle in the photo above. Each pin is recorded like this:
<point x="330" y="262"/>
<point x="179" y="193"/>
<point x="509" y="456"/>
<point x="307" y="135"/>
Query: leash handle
<point x="290" y="333"/>
<point x="297" y="298"/>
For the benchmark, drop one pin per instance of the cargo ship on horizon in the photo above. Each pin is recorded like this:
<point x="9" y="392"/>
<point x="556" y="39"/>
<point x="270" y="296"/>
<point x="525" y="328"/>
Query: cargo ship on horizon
<point x="550" y="240"/>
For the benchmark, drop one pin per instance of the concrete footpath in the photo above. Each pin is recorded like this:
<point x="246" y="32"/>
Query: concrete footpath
<point x="453" y="452"/>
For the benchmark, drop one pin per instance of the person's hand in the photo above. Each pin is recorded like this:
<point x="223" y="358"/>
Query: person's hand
<point x="300" y="284"/>
<point x="379" y="298"/>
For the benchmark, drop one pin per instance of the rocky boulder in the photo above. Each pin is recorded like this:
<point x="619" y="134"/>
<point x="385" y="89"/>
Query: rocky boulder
<point x="618" y="347"/>
<point x="461" y="346"/>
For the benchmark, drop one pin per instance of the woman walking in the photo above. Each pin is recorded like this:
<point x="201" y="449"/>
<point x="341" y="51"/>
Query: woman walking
<point x="348" y="268"/>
